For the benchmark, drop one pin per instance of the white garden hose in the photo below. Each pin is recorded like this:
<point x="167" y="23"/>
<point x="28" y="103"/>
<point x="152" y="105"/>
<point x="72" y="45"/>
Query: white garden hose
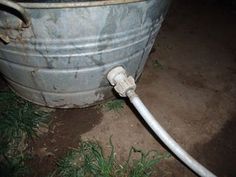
<point x="125" y="86"/>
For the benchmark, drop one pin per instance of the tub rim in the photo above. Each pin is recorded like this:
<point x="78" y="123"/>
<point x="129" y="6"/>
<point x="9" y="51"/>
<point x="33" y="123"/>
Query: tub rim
<point x="31" y="5"/>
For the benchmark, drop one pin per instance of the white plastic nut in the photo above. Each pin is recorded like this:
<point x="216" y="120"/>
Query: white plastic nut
<point x="114" y="72"/>
<point x="121" y="82"/>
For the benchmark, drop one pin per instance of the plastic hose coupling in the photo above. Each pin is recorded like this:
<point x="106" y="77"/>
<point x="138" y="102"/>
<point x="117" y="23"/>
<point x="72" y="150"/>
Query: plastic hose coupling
<point x="121" y="82"/>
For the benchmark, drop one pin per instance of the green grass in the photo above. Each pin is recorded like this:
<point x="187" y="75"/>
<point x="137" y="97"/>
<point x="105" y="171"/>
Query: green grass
<point x="158" y="65"/>
<point x="144" y="166"/>
<point x="115" y="105"/>
<point x="19" y="121"/>
<point x="89" y="161"/>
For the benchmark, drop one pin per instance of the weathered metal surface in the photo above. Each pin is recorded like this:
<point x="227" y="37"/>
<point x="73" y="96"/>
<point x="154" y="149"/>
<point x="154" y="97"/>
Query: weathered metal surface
<point x="62" y="59"/>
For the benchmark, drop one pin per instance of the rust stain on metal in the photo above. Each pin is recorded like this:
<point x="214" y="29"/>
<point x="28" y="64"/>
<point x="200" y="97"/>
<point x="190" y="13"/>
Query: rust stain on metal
<point x="5" y="39"/>
<point x="76" y="74"/>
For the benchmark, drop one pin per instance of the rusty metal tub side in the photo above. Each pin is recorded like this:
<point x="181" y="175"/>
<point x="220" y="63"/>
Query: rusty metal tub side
<point x="61" y="57"/>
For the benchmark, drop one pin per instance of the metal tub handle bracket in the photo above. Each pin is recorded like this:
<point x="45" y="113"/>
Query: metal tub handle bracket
<point x="22" y="15"/>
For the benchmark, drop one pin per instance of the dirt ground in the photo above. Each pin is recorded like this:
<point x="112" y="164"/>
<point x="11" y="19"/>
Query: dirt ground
<point x="189" y="84"/>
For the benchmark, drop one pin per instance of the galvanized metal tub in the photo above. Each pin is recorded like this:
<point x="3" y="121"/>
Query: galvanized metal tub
<point x="58" y="54"/>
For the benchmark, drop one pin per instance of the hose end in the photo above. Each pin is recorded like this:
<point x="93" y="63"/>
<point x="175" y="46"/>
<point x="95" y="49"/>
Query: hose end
<point x="121" y="82"/>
